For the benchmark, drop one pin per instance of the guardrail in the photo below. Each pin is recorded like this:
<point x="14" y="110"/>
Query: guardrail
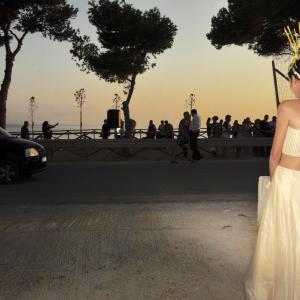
<point x="130" y="148"/>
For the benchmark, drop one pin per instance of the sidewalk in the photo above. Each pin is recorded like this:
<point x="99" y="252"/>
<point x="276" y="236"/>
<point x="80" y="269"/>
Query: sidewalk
<point x="157" y="251"/>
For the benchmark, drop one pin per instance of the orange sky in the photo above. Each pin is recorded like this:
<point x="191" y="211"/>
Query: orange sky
<point x="232" y="80"/>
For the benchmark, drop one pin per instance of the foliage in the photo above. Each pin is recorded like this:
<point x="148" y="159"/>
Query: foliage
<point x="258" y="24"/>
<point x="128" y="39"/>
<point x="52" y="18"/>
<point x="80" y="97"/>
<point x="18" y="18"/>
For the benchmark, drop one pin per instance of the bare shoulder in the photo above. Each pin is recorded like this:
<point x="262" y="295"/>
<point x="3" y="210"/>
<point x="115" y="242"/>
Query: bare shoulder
<point x="289" y="110"/>
<point x="284" y="106"/>
<point x="289" y="105"/>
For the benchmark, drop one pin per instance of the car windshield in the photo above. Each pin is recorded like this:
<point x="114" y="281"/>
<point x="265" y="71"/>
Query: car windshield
<point x="4" y="133"/>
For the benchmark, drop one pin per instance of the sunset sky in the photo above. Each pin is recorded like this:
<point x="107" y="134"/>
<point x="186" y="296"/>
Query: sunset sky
<point x="232" y="80"/>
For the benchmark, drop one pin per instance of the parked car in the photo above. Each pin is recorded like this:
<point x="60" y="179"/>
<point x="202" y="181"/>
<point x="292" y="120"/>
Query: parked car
<point x="19" y="157"/>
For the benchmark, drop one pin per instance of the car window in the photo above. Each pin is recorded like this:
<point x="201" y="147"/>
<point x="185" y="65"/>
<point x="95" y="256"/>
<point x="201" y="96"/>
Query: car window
<point x="4" y="133"/>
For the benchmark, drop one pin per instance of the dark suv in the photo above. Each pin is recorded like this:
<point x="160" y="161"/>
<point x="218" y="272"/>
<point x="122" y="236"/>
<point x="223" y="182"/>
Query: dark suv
<point x="19" y="157"/>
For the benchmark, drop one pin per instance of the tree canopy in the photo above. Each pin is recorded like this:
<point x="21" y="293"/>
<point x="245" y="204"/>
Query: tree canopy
<point x="127" y="36"/>
<point x="129" y="40"/>
<point x="257" y="23"/>
<point x="52" y="18"/>
<point x="18" y="18"/>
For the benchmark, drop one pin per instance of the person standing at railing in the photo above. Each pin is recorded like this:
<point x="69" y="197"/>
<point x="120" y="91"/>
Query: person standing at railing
<point x="105" y="131"/>
<point x="265" y="126"/>
<point x="47" y="129"/>
<point x="273" y="125"/>
<point x="25" y="131"/>
<point x="151" y="130"/>
<point x="245" y="129"/>
<point x="216" y="128"/>
<point x="226" y="130"/>
<point x="266" y="131"/>
<point x="195" y="126"/>
<point x="235" y="129"/>
<point x="256" y="131"/>
<point x="121" y="133"/>
<point x="161" y="130"/>
<point x="169" y="130"/>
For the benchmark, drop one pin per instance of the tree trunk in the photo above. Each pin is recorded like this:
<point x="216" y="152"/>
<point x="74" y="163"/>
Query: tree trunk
<point x="80" y="120"/>
<point x="128" y="122"/>
<point x="9" y="62"/>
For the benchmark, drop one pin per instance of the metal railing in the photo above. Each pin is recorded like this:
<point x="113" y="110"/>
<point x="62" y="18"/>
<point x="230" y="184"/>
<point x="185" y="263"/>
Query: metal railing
<point x="92" y="134"/>
<point x="96" y="134"/>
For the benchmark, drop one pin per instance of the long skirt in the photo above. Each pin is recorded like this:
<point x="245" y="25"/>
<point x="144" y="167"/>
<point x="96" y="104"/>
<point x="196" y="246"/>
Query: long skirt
<point x="274" y="270"/>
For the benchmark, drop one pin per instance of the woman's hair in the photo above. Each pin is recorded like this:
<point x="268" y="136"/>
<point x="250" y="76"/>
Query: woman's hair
<point x="295" y="70"/>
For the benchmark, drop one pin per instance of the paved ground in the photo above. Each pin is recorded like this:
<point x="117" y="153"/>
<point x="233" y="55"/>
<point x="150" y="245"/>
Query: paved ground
<point x="194" y="251"/>
<point x="127" y="182"/>
<point x="129" y="231"/>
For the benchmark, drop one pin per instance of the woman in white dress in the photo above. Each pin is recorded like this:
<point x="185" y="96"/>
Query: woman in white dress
<point x="274" y="271"/>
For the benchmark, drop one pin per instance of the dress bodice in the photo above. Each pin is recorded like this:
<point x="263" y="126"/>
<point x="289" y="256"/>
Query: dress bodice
<point x="291" y="145"/>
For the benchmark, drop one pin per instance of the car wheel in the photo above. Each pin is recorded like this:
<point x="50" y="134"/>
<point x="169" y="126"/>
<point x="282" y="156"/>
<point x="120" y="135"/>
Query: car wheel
<point x="9" y="172"/>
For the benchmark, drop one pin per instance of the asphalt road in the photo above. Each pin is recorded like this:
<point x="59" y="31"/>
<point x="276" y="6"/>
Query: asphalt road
<point x="158" y="251"/>
<point x="138" y="182"/>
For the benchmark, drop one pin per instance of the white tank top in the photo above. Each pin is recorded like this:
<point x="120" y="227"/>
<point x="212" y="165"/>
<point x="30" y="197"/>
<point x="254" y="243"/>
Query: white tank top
<point x="291" y="145"/>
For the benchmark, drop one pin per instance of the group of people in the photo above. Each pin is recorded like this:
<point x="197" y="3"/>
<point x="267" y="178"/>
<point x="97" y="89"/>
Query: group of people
<point x="106" y="130"/>
<point x="46" y="128"/>
<point x="224" y="129"/>
<point x="215" y="128"/>
<point x="188" y="133"/>
<point x="165" y="130"/>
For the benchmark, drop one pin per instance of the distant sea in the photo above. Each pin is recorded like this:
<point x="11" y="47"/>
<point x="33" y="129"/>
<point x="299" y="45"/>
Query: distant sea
<point x="38" y="127"/>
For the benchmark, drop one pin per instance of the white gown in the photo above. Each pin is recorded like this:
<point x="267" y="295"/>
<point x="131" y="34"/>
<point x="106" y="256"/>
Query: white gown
<point x="274" y="271"/>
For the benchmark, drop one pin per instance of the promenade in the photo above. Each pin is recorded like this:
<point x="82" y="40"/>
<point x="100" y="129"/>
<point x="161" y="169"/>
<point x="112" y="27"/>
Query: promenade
<point x="137" y="230"/>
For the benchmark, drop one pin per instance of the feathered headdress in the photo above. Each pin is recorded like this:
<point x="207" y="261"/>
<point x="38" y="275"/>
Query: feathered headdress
<point x="294" y="40"/>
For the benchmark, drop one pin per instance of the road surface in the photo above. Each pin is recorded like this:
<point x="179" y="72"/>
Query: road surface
<point x="132" y="182"/>
<point x="129" y="231"/>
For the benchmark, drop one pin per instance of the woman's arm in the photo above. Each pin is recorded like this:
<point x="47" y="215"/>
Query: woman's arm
<point x="281" y="128"/>
<point x="53" y="126"/>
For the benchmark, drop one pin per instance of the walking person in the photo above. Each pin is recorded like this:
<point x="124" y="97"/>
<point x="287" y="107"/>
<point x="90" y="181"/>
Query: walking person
<point x="25" y="131"/>
<point x="183" y="134"/>
<point x="235" y="134"/>
<point x="274" y="272"/>
<point x="226" y="132"/>
<point x="208" y="127"/>
<point x="194" y="134"/>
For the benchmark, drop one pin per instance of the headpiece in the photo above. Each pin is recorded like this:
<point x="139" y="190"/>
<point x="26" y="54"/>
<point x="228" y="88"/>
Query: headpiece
<point x="294" y="40"/>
